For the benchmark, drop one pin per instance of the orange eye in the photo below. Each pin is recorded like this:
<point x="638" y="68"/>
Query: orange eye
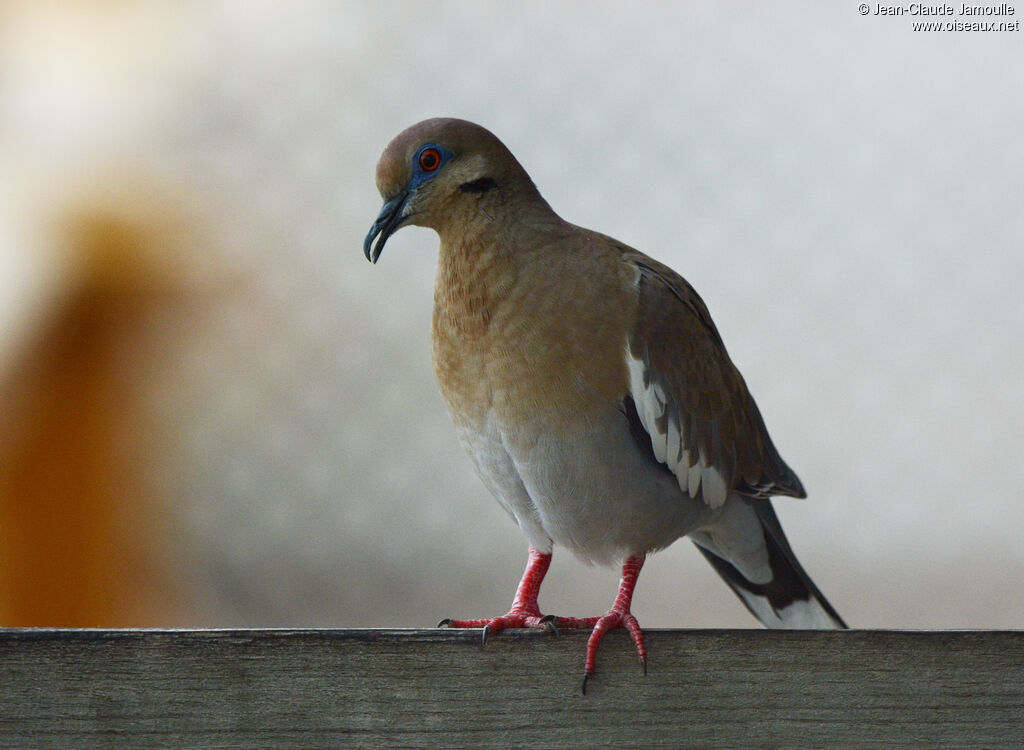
<point x="430" y="159"/>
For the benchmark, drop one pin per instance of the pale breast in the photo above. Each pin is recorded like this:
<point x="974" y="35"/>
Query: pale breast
<point x="534" y="383"/>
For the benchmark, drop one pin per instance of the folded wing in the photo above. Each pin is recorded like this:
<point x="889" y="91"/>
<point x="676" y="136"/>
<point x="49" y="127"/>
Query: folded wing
<point x="691" y="400"/>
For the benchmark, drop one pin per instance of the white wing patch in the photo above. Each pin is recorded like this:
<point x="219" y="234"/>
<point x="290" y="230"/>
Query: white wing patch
<point x="692" y="469"/>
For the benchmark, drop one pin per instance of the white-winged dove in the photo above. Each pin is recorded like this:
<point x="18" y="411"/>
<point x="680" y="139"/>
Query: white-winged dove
<point x="590" y="387"/>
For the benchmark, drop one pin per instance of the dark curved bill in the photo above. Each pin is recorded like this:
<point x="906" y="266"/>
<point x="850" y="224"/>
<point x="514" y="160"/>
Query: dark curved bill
<point x="389" y="220"/>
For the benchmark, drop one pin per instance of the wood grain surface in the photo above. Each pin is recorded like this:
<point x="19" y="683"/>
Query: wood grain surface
<point x="439" y="688"/>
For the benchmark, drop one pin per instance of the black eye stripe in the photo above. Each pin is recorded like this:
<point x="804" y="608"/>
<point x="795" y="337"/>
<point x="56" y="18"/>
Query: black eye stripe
<point x="481" y="185"/>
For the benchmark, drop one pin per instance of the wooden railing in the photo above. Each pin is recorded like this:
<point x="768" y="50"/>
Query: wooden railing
<point x="437" y="688"/>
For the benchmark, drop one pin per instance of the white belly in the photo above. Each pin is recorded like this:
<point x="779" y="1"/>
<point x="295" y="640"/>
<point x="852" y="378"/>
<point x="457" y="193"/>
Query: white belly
<point x="592" y="492"/>
<point x="495" y="467"/>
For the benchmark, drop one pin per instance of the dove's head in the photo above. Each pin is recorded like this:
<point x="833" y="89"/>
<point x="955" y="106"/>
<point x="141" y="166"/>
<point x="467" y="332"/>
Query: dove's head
<point x="449" y="175"/>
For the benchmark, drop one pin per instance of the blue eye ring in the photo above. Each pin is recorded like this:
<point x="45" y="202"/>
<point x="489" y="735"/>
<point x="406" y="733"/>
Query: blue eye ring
<point x="427" y="162"/>
<point x="429" y="159"/>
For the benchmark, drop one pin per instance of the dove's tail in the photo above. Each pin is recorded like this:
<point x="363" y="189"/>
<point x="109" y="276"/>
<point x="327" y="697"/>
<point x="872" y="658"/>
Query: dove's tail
<point x="780" y="593"/>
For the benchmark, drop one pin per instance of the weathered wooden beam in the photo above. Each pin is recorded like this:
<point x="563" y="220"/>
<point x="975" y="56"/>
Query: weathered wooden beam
<point x="438" y="688"/>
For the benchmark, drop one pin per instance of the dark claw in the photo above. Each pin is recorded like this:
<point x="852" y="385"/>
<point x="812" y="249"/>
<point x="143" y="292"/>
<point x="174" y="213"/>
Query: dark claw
<point x="643" y="663"/>
<point x="484" y="634"/>
<point x="445" y="622"/>
<point x="548" y="621"/>
<point x="583" y="687"/>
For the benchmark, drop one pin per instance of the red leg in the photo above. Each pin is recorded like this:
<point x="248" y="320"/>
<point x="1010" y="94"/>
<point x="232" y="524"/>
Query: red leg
<point x="618" y="616"/>
<point x="525" y="612"/>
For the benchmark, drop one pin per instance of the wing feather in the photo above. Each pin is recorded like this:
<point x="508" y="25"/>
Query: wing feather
<point x="691" y="400"/>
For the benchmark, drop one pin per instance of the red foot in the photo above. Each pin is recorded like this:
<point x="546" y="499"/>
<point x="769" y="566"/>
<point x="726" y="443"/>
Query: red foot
<point x="522" y="619"/>
<point x="618" y="616"/>
<point x="511" y="620"/>
<point x="525" y="612"/>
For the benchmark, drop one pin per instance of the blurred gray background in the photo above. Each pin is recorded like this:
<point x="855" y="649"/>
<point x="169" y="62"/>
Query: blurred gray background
<point x="844" y="192"/>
